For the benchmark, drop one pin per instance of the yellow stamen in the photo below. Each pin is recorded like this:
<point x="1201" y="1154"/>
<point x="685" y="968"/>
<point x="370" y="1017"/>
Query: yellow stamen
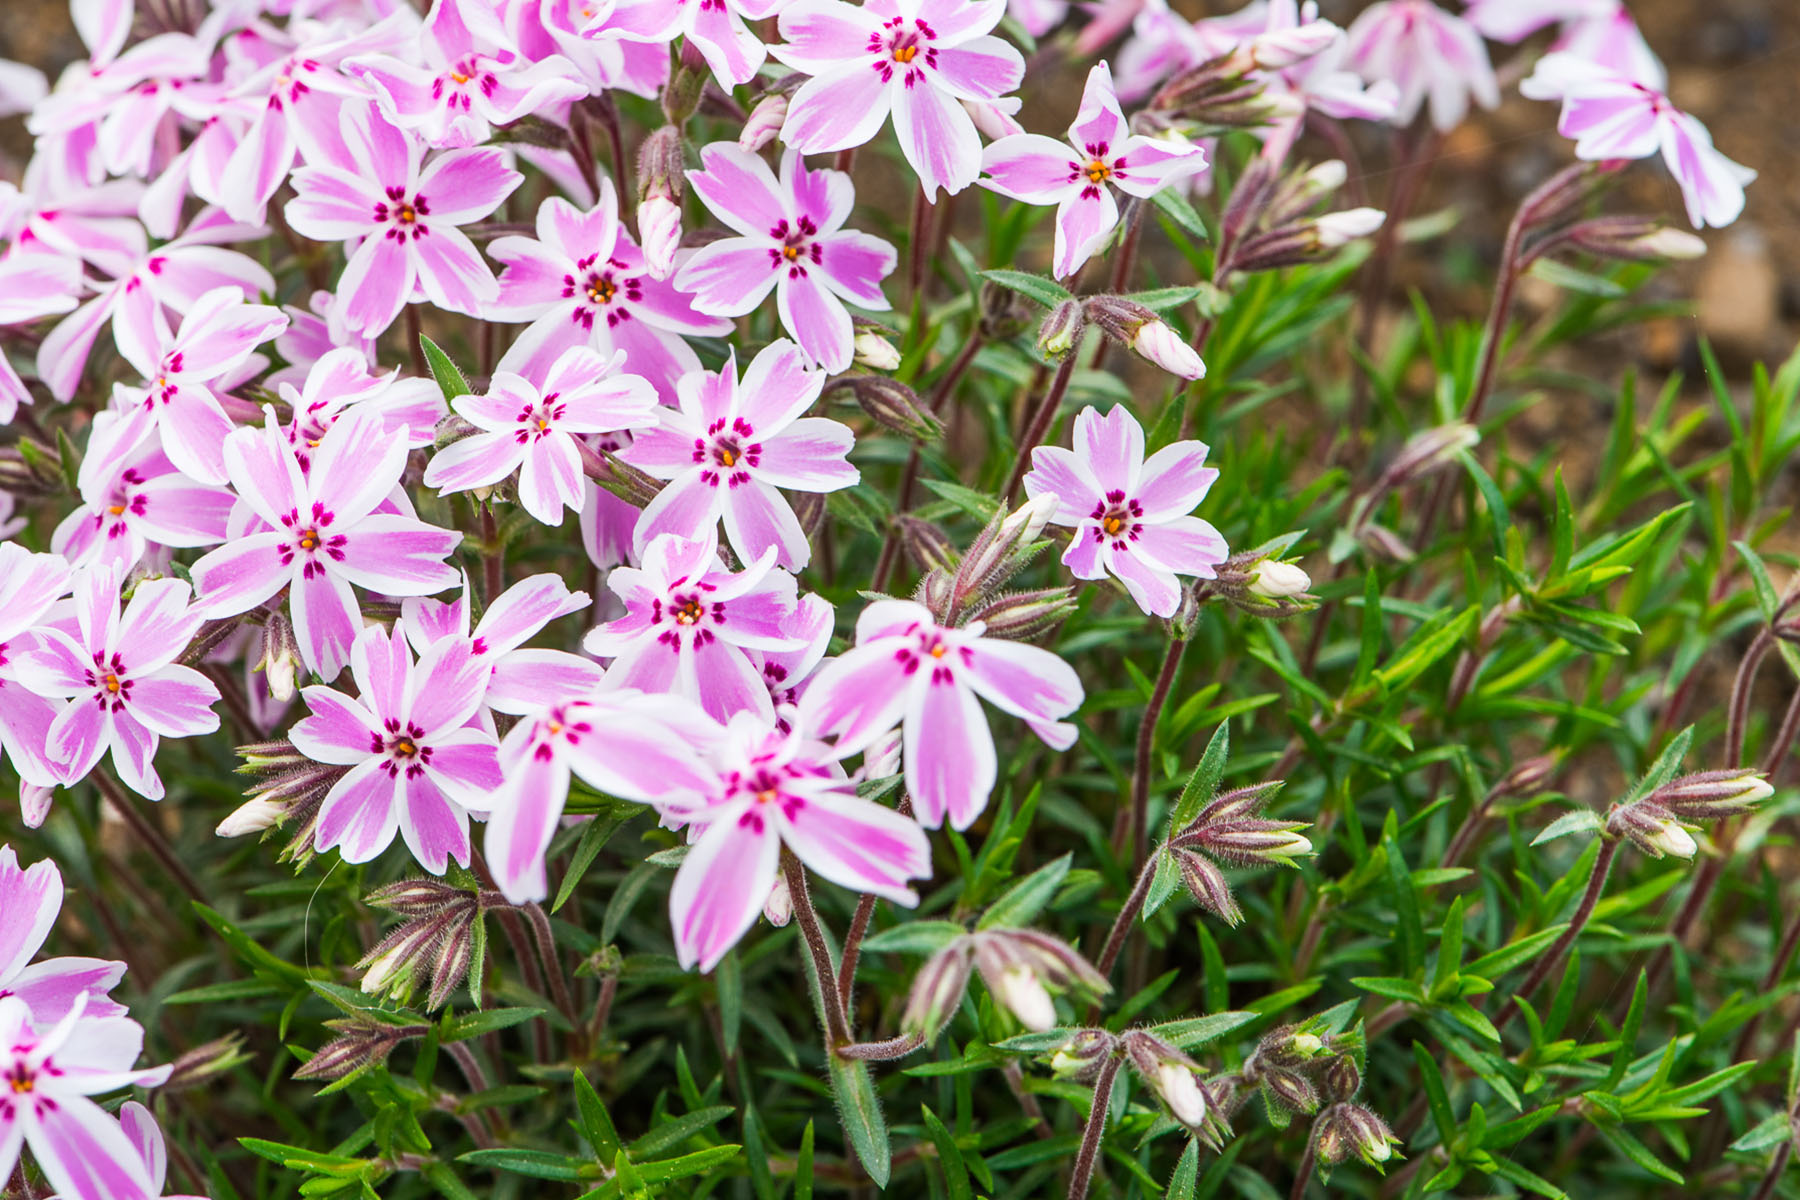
<point x="1097" y="171"/>
<point x="309" y="540"/>
<point x="1113" y="524"/>
<point x="905" y="54"/>
<point x="939" y="650"/>
<point x="689" y="612"/>
<point x="112" y="684"/>
<point x="405" y="749"/>
<point x="727" y="458"/>
<point x="117" y="510"/>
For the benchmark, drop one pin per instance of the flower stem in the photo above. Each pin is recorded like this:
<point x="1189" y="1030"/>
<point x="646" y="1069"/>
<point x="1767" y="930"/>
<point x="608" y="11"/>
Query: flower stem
<point x="846" y="973"/>
<point x="1121" y="926"/>
<point x="152" y="837"/>
<point x="837" y="1029"/>
<point x="1093" y="1130"/>
<point x="884" y="1051"/>
<point x="1609" y="849"/>
<point x="1137" y="833"/>
<point x="1304" y="1172"/>
<point x="546" y="948"/>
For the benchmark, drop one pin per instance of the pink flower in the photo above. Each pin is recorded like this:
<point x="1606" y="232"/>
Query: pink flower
<point x="133" y="498"/>
<point x="583" y="281"/>
<point x="416" y="767"/>
<point x="713" y="27"/>
<point x="788" y="672"/>
<point x="1130" y="515"/>
<point x="1612" y="39"/>
<point x="532" y="430"/>
<point x="520" y="679"/>
<point x="772" y="789"/>
<point x="406" y="213"/>
<point x="471" y="78"/>
<point x="29" y="902"/>
<point x="318" y="533"/>
<point x="29" y="585"/>
<point x="622" y="743"/>
<point x="1101" y="150"/>
<point x="546" y="27"/>
<point x="341" y="379"/>
<point x="33" y="284"/>
<point x="914" y="58"/>
<point x="174" y="275"/>
<point x="82" y="1151"/>
<point x="690" y="626"/>
<point x="791" y="240"/>
<point x="731" y="444"/>
<point x="1424" y="52"/>
<point x="125" y="690"/>
<point x="908" y="670"/>
<point x="142" y="1129"/>
<point x="182" y="371"/>
<point x="1613" y="117"/>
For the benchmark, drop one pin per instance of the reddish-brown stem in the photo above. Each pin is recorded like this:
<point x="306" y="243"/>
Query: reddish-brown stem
<point x="837" y="1030"/>
<point x="1092" y="1130"/>
<point x="1609" y="849"/>
<point x="1039" y="424"/>
<point x="859" y="925"/>
<point x="151" y="837"/>
<point x="909" y="476"/>
<point x="1121" y="926"/>
<point x="892" y="1048"/>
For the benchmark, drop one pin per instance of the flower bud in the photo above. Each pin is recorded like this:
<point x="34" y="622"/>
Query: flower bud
<point x="882" y="759"/>
<point x="778" y="909"/>
<point x="1248" y="843"/>
<point x="874" y="351"/>
<point x="1282" y="48"/>
<point x="1341" y="1078"/>
<point x="34" y="804"/>
<point x="1525" y="778"/>
<point x="1024" y="615"/>
<point x="895" y="406"/>
<point x="1060" y="334"/>
<point x="1175" y="1085"/>
<point x="203" y="1064"/>
<point x="1004" y="313"/>
<point x="927" y="545"/>
<point x="1340" y="228"/>
<point x="938" y="989"/>
<point x="1001" y="550"/>
<point x="1346" y="1130"/>
<point x="993" y="119"/>
<point x="253" y="816"/>
<point x="1024" y="993"/>
<point x="1206" y="884"/>
<point x="1652" y="829"/>
<point x="1710" y="795"/>
<point x="280" y="656"/>
<point x="1289" y="1089"/>
<point x="1324" y="179"/>
<point x="1278" y="580"/>
<point x="659" y="231"/>
<point x="1147" y="334"/>
<point x="1080" y="1057"/>
<point x="660" y="176"/>
<point x="764" y="123"/>
<point x="809" y="511"/>
<point x="1633" y="239"/>
<point x="361" y="1043"/>
<point x="417" y="897"/>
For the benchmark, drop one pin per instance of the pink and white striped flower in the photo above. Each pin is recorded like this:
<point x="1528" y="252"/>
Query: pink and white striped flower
<point x="930" y="679"/>
<point x="405" y="211"/>
<point x="772" y="788"/>
<point x="1129" y="514"/>
<point x="690" y="626"/>
<point x="622" y="743"/>
<point x="144" y="1133"/>
<point x="342" y="380"/>
<point x="1102" y="153"/>
<point x="468" y="77"/>
<point x="731" y="444"/>
<point x="184" y="373"/>
<point x="533" y="430"/>
<point x="715" y="28"/>
<point x="417" y="768"/>
<point x="316" y="533"/>
<point x="604" y="63"/>
<point x="30" y="899"/>
<point x="1427" y="53"/>
<point x="133" y="498"/>
<point x="520" y="679"/>
<point x="33" y="284"/>
<point x="918" y="59"/>
<point x="1611" y="116"/>
<point x="792" y="241"/>
<point x="29" y="585"/>
<point x="52" y="1070"/>
<point x="1599" y="30"/>
<point x="583" y="281"/>
<point x="124" y="691"/>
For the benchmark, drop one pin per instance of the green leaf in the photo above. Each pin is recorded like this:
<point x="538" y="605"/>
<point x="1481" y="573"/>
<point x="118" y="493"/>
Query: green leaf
<point x="1020" y="904"/>
<point x="1045" y="291"/>
<point x="473" y="1025"/>
<point x="596" y="1123"/>
<point x="1628" y="1145"/>
<point x="803" y="1166"/>
<point x="1582" y="820"/>
<point x="449" y="380"/>
<point x="950" y="1159"/>
<point x="1200" y="1031"/>
<point x="538" y="1164"/>
<point x="914" y="937"/>
<point x="1203" y="784"/>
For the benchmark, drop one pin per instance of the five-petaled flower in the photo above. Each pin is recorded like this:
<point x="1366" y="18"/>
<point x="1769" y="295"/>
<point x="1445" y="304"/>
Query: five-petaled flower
<point x="133" y="498"/>
<point x="918" y="59"/>
<point x="772" y="788"/>
<point x="318" y="532"/>
<point x="532" y="429"/>
<point x="1130" y="514"/>
<point x="30" y="899"/>
<point x="1426" y="52"/>
<point x="908" y="670"/>
<point x="375" y="186"/>
<point x="417" y="768"/>
<point x="124" y="689"/>
<point x="1079" y="177"/>
<point x="713" y="27"/>
<point x="791" y="240"/>
<point x="690" y="625"/>
<point x="731" y="444"/>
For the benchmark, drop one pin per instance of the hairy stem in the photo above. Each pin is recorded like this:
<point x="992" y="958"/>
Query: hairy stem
<point x="151" y="837"/>
<point x="837" y="1029"/>
<point x="1092" y="1130"/>
<point x="1039" y="424"/>
<point x="1609" y="849"/>
<point x="859" y="926"/>
<point x="892" y="1048"/>
<point x="1122" y="924"/>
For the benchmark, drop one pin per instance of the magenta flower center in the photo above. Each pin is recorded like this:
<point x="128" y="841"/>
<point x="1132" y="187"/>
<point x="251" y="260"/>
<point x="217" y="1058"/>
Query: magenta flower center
<point x="897" y="47"/>
<point x="535" y="420"/>
<point x="1119" y="520"/>
<point x="21" y="1080"/>
<point x="111" y="687"/>
<point x="465" y="71"/>
<point x="312" y="538"/>
<point x="165" y="390"/>
<point x="402" y="216"/>
<point x="403" y="749"/>
<point x="599" y="287"/>
<point x="727" y="454"/>
<point x="935" y="652"/>
<point x="1098" y="168"/>
<point x="797" y="247"/>
<point x="687" y="611"/>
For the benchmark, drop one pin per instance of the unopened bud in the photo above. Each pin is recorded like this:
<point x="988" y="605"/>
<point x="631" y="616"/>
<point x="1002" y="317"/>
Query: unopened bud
<point x="253" y="816"/>
<point x="1340" y="228"/>
<point x="874" y="351"/>
<point x="927" y="545"/>
<point x="1633" y="239"/>
<point x="1023" y="993"/>
<point x="1249" y="843"/>
<point x="1344" y="1131"/>
<point x="1289" y="1089"/>
<point x="280" y="656"/>
<point x="895" y="407"/>
<point x="1061" y="331"/>
<point x="1278" y="580"/>
<point x="1525" y="778"/>
<point x="659" y="232"/>
<point x="778" y="909"/>
<point x="34" y="804"/>
<point x="992" y="120"/>
<point x="998" y="553"/>
<point x="1206" y="884"/>
<point x="1024" y="615"/>
<point x="1341" y="1078"/>
<point x="1175" y="1085"/>
<point x="1004" y="313"/>
<point x="764" y="123"/>
<point x="938" y="989"/>
<point x="1147" y="334"/>
<point x="203" y="1064"/>
<point x="1427" y="453"/>
<point x="1080" y="1057"/>
<point x="882" y="759"/>
<point x="1652" y="829"/>
<point x="1710" y="795"/>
